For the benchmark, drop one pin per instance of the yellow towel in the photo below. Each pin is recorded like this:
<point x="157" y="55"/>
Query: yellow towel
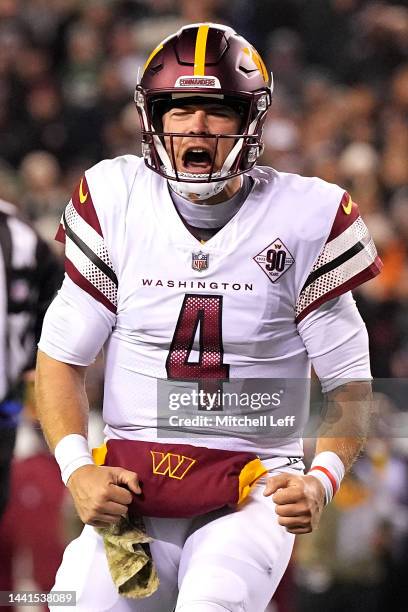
<point x="129" y="558"/>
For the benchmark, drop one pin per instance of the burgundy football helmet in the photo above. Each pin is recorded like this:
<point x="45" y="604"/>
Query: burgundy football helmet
<point x="200" y="63"/>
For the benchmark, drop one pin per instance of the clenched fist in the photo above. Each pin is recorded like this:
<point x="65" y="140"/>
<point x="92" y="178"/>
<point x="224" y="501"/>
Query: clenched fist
<point x="102" y="494"/>
<point x="299" y="501"/>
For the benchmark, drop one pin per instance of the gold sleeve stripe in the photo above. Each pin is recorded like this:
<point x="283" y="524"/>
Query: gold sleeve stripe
<point x="200" y="50"/>
<point x="151" y="56"/>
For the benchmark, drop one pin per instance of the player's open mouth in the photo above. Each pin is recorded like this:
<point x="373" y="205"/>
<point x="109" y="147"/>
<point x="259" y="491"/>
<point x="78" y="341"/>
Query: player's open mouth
<point x="197" y="160"/>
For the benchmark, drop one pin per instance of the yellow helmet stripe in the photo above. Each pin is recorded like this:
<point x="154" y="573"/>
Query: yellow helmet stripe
<point x="262" y="67"/>
<point x="200" y="50"/>
<point x="257" y="59"/>
<point x="151" y="56"/>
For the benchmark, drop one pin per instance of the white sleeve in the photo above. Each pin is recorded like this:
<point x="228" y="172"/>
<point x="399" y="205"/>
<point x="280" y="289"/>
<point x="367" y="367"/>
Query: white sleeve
<point x="336" y="339"/>
<point x="76" y="326"/>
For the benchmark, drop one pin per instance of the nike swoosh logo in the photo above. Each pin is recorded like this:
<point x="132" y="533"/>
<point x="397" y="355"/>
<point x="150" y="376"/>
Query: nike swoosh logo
<point x="82" y="196"/>
<point x="347" y="207"/>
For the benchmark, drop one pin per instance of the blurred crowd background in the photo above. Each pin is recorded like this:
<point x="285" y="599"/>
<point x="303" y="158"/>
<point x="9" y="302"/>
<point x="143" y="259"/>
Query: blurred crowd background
<point x="68" y="69"/>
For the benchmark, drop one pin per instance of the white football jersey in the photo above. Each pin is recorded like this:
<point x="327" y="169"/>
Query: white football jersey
<point x="169" y="309"/>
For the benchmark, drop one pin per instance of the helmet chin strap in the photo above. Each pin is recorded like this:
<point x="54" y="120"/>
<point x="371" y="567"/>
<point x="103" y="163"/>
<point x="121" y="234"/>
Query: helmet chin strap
<point x="200" y="191"/>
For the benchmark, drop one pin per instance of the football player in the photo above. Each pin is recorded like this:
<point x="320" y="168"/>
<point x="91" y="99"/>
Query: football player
<point x="193" y="263"/>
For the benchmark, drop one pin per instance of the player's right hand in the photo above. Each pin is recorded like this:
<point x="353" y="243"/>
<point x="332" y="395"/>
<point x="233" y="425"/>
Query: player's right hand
<point x="102" y="494"/>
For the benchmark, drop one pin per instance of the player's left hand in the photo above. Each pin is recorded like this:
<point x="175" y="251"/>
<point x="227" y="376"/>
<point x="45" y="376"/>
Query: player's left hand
<point x="299" y="501"/>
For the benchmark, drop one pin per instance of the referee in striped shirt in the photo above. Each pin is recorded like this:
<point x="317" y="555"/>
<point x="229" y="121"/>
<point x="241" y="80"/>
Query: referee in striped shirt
<point x="30" y="275"/>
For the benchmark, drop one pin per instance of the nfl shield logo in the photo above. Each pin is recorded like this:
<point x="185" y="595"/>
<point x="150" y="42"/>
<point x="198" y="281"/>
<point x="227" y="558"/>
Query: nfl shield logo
<point x="199" y="261"/>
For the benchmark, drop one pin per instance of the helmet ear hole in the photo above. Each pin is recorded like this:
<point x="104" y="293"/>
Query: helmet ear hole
<point x="254" y="148"/>
<point x="146" y="152"/>
<point x="253" y="153"/>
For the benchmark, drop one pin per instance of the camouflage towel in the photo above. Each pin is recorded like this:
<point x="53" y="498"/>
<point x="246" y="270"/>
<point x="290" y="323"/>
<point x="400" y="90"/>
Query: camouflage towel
<point x="129" y="558"/>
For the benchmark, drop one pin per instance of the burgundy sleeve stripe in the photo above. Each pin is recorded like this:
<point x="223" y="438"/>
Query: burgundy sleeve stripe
<point x="87" y="286"/>
<point x="91" y="272"/>
<point x="97" y="261"/>
<point x="324" y="284"/>
<point x="334" y="263"/>
<point x="82" y="201"/>
<point x="365" y="275"/>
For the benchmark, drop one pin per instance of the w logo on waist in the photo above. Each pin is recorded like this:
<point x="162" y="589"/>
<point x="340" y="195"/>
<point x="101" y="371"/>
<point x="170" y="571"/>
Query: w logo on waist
<point x="171" y="464"/>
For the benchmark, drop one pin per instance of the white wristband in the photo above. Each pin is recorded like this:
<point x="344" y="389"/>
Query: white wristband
<point x="329" y="469"/>
<point x="71" y="453"/>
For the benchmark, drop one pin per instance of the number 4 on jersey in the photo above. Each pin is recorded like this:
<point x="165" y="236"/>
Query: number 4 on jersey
<point x="204" y="311"/>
